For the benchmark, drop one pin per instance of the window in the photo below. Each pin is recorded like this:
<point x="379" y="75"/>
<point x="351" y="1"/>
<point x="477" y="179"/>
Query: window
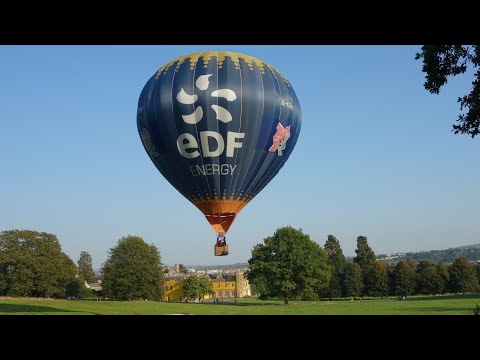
<point x="171" y="287"/>
<point x="166" y="287"/>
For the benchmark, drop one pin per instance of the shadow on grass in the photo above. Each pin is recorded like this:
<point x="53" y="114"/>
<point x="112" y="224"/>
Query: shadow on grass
<point x="410" y="298"/>
<point x="346" y="299"/>
<point x="444" y="310"/>
<point x="445" y="297"/>
<point x="14" y="308"/>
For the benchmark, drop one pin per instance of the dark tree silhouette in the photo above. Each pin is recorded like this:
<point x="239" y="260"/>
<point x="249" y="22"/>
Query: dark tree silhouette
<point x="442" y="61"/>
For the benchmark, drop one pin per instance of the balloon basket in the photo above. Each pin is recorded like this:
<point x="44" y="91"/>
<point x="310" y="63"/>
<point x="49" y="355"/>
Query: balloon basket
<point x="221" y="250"/>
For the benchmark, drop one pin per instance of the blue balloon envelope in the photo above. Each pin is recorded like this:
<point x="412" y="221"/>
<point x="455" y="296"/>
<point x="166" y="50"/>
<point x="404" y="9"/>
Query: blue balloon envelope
<point x="218" y="126"/>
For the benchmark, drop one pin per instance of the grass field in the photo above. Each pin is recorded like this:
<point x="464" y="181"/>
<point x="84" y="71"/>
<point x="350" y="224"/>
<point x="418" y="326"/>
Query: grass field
<point x="415" y="305"/>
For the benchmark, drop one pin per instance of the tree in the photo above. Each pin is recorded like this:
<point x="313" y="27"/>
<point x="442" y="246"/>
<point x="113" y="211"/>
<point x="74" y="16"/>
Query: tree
<point x="32" y="264"/>
<point x="443" y="271"/>
<point x="288" y="266"/>
<point x="133" y="270"/>
<point x="391" y="269"/>
<point x="365" y="255"/>
<point x="85" y="268"/>
<point x="205" y="286"/>
<point x="478" y="272"/>
<point x="334" y="288"/>
<point x="182" y="269"/>
<point x="442" y="61"/>
<point x="353" y="280"/>
<point x="463" y="276"/>
<point x="77" y="289"/>
<point x="429" y="280"/>
<point x="197" y="287"/>
<point x="403" y="279"/>
<point x="191" y="287"/>
<point x="378" y="281"/>
<point x="337" y="261"/>
<point x="365" y="258"/>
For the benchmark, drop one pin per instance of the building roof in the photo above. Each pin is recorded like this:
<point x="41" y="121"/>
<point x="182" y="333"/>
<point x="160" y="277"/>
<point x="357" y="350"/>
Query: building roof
<point x="175" y="277"/>
<point x="224" y="276"/>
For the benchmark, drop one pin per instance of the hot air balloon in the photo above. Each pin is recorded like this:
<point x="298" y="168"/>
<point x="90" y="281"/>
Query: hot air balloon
<point x="218" y="126"/>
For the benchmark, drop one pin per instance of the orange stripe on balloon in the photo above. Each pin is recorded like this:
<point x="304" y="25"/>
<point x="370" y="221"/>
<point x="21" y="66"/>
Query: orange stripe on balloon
<point x="221" y="213"/>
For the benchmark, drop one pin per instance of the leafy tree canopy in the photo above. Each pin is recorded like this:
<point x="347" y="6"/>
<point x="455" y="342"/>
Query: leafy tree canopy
<point x="197" y="287"/>
<point x="85" y="268"/>
<point x="353" y="280"/>
<point x="365" y="255"/>
<point x="336" y="259"/>
<point x="133" y="270"/>
<point x="289" y="265"/>
<point x="378" y="280"/>
<point x="403" y="279"/>
<point x="463" y="276"/>
<point x="32" y="264"/>
<point x="191" y="287"/>
<point x="443" y="61"/>
<point x="429" y="280"/>
<point x="183" y="269"/>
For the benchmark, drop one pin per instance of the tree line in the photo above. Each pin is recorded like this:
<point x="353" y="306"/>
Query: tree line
<point x="32" y="264"/>
<point x="289" y="265"/>
<point x="448" y="255"/>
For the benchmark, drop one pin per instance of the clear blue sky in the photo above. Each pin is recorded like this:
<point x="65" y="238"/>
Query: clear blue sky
<point x="375" y="155"/>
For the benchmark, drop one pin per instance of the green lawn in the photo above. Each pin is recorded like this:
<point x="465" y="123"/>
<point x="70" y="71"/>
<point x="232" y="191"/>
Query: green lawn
<point x="415" y="305"/>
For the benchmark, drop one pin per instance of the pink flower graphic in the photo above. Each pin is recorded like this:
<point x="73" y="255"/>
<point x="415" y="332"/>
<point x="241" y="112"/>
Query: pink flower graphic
<point x="280" y="139"/>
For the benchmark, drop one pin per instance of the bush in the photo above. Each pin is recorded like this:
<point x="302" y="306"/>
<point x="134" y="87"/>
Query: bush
<point x="476" y="310"/>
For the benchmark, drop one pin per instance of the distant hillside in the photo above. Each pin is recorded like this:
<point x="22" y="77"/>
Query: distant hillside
<point x="471" y="252"/>
<point x="469" y="246"/>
